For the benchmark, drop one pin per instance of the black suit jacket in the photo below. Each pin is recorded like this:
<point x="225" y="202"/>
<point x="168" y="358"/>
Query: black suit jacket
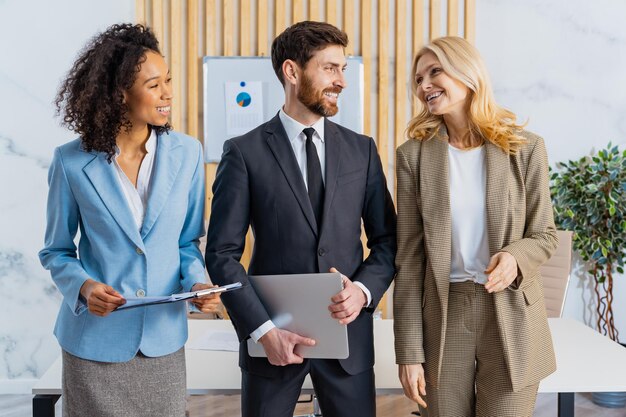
<point x="258" y="183"/>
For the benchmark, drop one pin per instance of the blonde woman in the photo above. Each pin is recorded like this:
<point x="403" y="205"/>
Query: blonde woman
<point x="474" y="224"/>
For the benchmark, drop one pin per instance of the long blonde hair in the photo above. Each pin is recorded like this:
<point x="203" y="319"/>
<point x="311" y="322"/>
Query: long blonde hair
<point x="487" y="120"/>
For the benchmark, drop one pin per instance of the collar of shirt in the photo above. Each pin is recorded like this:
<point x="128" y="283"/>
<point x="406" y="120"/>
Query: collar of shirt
<point x="294" y="128"/>
<point x="137" y="196"/>
<point x="150" y="144"/>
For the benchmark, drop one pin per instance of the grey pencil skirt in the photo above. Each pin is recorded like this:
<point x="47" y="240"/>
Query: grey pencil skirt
<point x="143" y="386"/>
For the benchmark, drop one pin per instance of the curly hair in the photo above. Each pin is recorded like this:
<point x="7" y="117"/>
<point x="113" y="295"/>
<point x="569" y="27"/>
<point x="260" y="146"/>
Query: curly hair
<point x="91" y="98"/>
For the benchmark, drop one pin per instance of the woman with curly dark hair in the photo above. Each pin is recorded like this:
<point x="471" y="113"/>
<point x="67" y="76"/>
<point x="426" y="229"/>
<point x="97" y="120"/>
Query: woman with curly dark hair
<point x="136" y="191"/>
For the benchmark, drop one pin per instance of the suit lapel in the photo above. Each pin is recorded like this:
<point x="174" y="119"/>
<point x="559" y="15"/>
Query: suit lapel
<point x="281" y="148"/>
<point x="435" y="200"/>
<point x="333" y="159"/>
<point x="104" y="179"/>
<point x="497" y="194"/>
<point x="164" y="172"/>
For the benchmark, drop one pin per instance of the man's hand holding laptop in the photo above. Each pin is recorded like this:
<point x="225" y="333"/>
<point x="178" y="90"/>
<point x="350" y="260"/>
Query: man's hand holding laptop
<point x="280" y="344"/>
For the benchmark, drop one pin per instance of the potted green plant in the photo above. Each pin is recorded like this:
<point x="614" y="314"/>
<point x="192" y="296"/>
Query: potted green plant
<point x="589" y="197"/>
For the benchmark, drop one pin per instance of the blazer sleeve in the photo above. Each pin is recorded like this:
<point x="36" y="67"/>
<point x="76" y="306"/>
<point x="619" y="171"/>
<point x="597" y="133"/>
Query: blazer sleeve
<point x="410" y="264"/>
<point x="59" y="253"/>
<point x="191" y="262"/>
<point x="540" y="239"/>
<point x="230" y="219"/>
<point x="379" y="221"/>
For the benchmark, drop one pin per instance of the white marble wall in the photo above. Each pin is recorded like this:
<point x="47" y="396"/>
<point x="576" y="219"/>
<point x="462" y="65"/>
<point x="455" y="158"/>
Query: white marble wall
<point x="39" y="40"/>
<point x="561" y="64"/>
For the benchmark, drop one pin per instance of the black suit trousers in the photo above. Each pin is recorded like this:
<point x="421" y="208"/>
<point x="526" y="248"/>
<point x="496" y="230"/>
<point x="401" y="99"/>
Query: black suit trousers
<point x="339" y="393"/>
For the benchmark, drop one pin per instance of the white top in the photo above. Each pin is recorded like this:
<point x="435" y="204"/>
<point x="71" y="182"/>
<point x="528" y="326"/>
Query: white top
<point x="468" y="185"/>
<point x="297" y="138"/>
<point x="137" y="198"/>
<point x="298" y="142"/>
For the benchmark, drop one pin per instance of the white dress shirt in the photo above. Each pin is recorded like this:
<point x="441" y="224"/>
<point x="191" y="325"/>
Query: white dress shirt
<point x="468" y="187"/>
<point x="298" y="142"/>
<point x="137" y="198"/>
<point x="297" y="139"/>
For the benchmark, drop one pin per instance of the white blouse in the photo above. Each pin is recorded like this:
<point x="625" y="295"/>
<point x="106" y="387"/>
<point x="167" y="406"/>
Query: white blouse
<point x="137" y="198"/>
<point x="468" y="185"/>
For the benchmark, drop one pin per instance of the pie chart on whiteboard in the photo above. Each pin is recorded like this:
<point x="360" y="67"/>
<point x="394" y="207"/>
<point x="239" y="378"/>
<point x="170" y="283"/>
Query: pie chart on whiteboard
<point x="243" y="99"/>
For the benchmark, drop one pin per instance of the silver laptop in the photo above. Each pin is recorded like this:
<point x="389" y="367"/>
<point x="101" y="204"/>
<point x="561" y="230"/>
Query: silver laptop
<point x="299" y="303"/>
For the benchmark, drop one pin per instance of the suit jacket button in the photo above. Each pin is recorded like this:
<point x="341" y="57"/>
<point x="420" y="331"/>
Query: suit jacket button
<point x="140" y="293"/>
<point x="139" y="251"/>
<point x="321" y="252"/>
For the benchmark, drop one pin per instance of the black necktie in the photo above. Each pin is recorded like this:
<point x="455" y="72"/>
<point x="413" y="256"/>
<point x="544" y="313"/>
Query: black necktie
<point x="314" y="177"/>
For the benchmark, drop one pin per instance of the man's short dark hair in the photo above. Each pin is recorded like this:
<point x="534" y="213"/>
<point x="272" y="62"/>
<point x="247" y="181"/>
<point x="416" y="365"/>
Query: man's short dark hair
<point x="300" y="41"/>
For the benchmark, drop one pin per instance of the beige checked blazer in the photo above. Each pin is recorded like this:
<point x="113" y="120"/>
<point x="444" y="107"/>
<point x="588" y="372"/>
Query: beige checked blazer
<point x="519" y="221"/>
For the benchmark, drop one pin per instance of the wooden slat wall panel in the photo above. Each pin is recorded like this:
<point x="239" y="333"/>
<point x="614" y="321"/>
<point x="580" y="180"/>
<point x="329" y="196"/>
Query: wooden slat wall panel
<point x="434" y="19"/>
<point x="193" y="64"/>
<point x="209" y="172"/>
<point x="210" y="45"/>
<point x="383" y="83"/>
<point x="470" y="20"/>
<point x="280" y="23"/>
<point x="348" y="24"/>
<point x="140" y="11"/>
<point x="383" y="98"/>
<point x="418" y="26"/>
<point x="228" y="32"/>
<point x="418" y="41"/>
<point x="298" y="11"/>
<point x="366" y="53"/>
<point x="210" y="20"/>
<point x="453" y="18"/>
<point x="245" y="45"/>
<point x="176" y="65"/>
<point x="400" y="73"/>
<point x="244" y="50"/>
<point x="331" y="11"/>
<point x="249" y="23"/>
<point x="157" y="22"/>
<point x="314" y="10"/>
<point x="262" y="27"/>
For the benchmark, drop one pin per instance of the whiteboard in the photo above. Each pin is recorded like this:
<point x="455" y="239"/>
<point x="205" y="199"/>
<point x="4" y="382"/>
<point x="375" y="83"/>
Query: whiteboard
<point x="221" y="72"/>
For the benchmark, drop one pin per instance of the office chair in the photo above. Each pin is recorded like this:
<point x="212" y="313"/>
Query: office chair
<point x="317" y="412"/>
<point x="556" y="273"/>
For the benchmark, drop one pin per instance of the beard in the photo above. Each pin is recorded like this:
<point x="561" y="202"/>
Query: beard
<point x="314" y="100"/>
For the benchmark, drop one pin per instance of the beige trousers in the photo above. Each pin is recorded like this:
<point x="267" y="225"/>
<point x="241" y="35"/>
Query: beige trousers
<point x="474" y="380"/>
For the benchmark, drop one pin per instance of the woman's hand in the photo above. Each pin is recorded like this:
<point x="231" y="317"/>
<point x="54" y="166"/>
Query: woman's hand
<point x="413" y="382"/>
<point x="101" y="298"/>
<point x="502" y="270"/>
<point x="207" y="303"/>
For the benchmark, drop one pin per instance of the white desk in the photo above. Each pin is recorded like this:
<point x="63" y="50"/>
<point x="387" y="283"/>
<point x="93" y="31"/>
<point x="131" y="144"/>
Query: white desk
<point x="586" y="362"/>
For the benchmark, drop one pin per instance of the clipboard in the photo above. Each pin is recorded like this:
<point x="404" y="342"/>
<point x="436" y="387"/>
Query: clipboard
<point x="133" y="302"/>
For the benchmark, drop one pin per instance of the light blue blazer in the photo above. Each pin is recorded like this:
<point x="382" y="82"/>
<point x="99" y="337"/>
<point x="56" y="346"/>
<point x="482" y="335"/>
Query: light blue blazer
<point x="160" y="259"/>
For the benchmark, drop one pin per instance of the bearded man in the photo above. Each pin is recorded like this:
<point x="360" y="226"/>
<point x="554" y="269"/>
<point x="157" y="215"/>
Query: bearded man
<point x="305" y="185"/>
